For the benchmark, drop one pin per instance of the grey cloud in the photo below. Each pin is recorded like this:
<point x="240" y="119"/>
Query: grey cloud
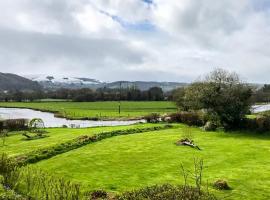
<point x="37" y="48"/>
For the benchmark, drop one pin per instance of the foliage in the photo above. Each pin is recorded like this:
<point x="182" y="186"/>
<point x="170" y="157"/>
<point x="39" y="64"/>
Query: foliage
<point x="152" y="118"/>
<point x="210" y="126"/>
<point x="262" y="95"/>
<point x="3" y="136"/>
<point x="33" y="183"/>
<point x="87" y="95"/>
<point x="7" y="194"/>
<point x="15" y="124"/>
<point x="189" y="118"/>
<point x="98" y="194"/>
<point x="221" y="94"/>
<point x="261" y="123"/>
<point x="166" y="191"/>
<point x="221" y="185"/>
<point x="170" y="192"/>
<point x="36" y="184"/>
<point x="9" y="170"/>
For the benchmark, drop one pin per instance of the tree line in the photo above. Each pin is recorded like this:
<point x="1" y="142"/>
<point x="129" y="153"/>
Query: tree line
<point x="86" y="94"/>
<point x="262" y="95"/>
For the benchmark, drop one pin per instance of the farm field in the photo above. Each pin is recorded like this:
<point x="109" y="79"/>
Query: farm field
<point x="99" y="110"/>
<point x="16" y="143"/>
<point x="132" y="161"/>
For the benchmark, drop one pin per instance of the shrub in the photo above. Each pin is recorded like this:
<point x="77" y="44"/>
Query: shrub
<point x="189" y="118"/>
<point x="168" y="192"/>
<point x="260" y="123"/>
<point x="98" y="194"/>
<point x="15" y="124"/>
<point x="210" y="126"/>
<point x="221" y="185"/>
<point x="152" y="118"/>
<point x="36" y="184"/>
<point x="9" y="171"/>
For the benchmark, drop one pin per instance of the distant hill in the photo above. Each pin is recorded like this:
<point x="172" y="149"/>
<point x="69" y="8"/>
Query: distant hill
<point x="11" y="82"/>
<point x="56" y="82"/>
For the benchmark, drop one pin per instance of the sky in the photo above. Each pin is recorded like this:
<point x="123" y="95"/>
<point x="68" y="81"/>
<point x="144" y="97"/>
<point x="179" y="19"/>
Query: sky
<point x="150" y="40"/>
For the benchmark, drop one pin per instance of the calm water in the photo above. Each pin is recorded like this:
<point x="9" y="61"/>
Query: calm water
<point x="260" y="108"/>
<point x="51" y="121"/>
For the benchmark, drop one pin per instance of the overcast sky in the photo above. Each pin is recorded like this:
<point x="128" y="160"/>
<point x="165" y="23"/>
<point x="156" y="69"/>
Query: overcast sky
<point x="164" y="40"/>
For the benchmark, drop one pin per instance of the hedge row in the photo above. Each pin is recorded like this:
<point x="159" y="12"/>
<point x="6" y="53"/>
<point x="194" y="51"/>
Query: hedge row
<point x="189" y="118"/>
<point x="45" y="153"/>
<point x="260" y="124"/>
<point x="14" y="124"/>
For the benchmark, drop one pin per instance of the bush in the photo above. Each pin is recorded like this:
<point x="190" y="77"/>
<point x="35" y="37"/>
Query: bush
<point x="15" y="124"/>
<point x="260" y="124"/>
<point x="221" y="185"/>
<point x="98" y="194"/>
<point x="152" y="118"/>
<point x="189" y="118"/>
<point x="210" y="126"/>
<point x="9" y="171"/>
<point x="168" y="192"/>
<point x="36" y="184"/>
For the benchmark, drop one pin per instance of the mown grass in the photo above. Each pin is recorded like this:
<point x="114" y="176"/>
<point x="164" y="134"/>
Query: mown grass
<point x="16" y="144"/>
<point x="132" y="161"/>
<point x="100" y="110"/>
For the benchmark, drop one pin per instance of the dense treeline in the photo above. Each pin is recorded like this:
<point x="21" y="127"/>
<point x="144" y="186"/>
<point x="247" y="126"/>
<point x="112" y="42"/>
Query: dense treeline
<point x="263" y="94"/>
<point x="86" y="94"/>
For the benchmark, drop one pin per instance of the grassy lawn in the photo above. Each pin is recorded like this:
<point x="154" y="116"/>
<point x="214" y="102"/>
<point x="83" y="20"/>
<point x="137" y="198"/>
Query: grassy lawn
<point x="76" y="110"/>
<point x="132" y="161"/>
<point x="15" y="143"/>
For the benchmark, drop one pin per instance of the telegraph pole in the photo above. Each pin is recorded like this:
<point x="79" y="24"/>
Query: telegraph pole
<point x="119" y="103"/>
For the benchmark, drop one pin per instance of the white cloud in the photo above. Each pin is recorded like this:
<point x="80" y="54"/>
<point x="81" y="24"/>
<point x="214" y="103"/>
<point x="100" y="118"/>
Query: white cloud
<point x="166" y="40"/>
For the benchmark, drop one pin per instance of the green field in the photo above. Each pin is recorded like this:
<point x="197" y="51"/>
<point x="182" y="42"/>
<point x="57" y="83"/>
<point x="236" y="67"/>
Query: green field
<point x="127" y="162"/>
<point x="133" y="161"/>
<point x="101" y="110"/>
<point x="16" y="143"/>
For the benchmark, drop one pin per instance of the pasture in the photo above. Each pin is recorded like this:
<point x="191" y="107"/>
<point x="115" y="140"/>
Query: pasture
<point x="98" y="110"/>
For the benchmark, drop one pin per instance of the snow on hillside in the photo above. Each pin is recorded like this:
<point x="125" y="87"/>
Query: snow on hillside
<point x="63" y="80"/>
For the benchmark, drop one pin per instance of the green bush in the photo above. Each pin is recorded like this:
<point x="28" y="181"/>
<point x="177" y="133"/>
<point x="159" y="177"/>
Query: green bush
<point x="37" y="184"/>
<point x="168" y="192"/>
<point x="152" y="118"/>
<point x="9" y="171"/>
<point x="189" y="118"/>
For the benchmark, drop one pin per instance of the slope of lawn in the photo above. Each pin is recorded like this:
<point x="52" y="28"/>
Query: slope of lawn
<point x="16" y="143"/>
<point x="133" y="161"/>
<point x="102" y="110"/>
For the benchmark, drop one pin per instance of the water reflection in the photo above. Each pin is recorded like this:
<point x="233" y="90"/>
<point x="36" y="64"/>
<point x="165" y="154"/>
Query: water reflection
<point x="51" y="121"/>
